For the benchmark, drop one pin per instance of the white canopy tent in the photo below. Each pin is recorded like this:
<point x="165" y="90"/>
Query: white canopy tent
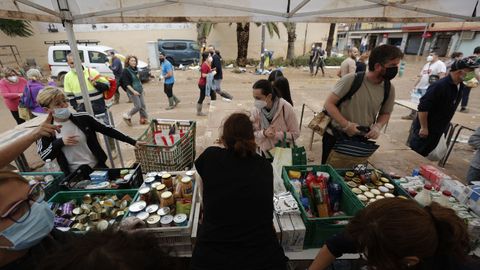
<point x="167" y="11"/>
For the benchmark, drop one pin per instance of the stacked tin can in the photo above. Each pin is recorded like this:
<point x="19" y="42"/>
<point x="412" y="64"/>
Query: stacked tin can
<point x="159" y="196"/>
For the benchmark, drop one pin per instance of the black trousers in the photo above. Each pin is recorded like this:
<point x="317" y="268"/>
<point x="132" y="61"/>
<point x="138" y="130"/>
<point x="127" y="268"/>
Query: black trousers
<point x="213" y="95"/>
<point x="17" y="117"/>
<point x="168" y="89"/>
<point x="465" y="96"/>
<point x="328" y="141"/>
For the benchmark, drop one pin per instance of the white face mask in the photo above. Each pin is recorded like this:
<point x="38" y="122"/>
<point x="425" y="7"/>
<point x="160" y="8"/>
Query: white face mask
<point x="260" y="104"/>
<point x="429" y="58"/>
<point x="210" y="59"/>
<point x="13" y="79"/>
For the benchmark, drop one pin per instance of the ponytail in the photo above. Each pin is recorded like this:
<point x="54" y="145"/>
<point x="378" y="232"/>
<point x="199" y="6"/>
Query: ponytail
<point x="452" y="232"/>
<point x="244" y="148"/>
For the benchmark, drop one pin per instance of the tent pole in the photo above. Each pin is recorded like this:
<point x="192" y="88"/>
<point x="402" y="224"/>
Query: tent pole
<point x="78" y="65"/>
<point x="423" y="40"/>
<point x="262" y="49"/>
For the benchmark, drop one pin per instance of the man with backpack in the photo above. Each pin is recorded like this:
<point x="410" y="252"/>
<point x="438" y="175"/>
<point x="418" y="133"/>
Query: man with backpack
<point x="361" y="103"/>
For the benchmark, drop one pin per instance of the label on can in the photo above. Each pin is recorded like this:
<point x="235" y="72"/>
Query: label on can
<point x="180" y="220"/>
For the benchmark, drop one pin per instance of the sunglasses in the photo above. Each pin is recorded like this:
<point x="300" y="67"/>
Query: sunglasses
<point x="20" y="211"/>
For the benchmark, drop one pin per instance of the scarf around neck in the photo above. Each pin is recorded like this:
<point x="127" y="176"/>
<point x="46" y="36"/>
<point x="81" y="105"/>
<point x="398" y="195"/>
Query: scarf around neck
<point x="266" y="117"/>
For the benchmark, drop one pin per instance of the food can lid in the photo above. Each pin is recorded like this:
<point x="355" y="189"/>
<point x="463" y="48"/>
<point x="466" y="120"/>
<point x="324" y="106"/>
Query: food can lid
<point x="153" y="219"/>
<point x="152" y="208"/>
<point x="143" y="215"/>
<point x="150" y="179"/>
<point x="190" y="173"/>
<point x="166" y="219"/>
<point x="166" y="175"/>
<point x="163" y="211"/>
<point x="160" y="187"/>
<point x="137" y="206"/>
<point x="389" y="195"/>
<point x="151" y="174"/>
<point x="166" y="195"/>
<point x="180" y="218"/>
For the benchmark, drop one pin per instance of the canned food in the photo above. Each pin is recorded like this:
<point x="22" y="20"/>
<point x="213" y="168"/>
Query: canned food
<point x="87" y="198"/>
<point x="383" y="189"/>
<point x="102" y="225"/>
<point x="379" y="197"/>
<point x="389" y="195"/>
<point x="62" y="222"/>
<point x="357" y="191"/>
<point x="152" y="208"/>
<point x="163" y="211"/>
<point x="377" y="183"/>
<point x="67" y="209"/>
<point x="375" y="191"/>
<point x="187" y="188"/>
<point x="362" y="198"/>
<point x="153" y="221"/>
<point x="167" y="199"/>
<point x="127" y="177"/>
<point x="149" y="180"/>
<point x="370" y="185"/>
<point x="389" y="186"/>
<point x="137" y="206"/>
<point x="369" y="194"/>
<point x="384" y="180"/>
<point x="349" y="176"/>
<point x="167" y="180"/>
<point x="166" y="221"/>
<point x="77" y="211"/>
<point x="144" y="194"/>
<point x="78" y="227"/>
<point x="180" y="220"/>
<point x="351" y="184"/>
<point x="357" y="180"/>
<point x="94" y="216"/>
<point x="159" y="190"/>
<point x="190" y="173"/>
<point x="363" y="188"/>
<point x="155" y="185"/>
<point x="142" y="215"/>
<point x="151" y="174"/>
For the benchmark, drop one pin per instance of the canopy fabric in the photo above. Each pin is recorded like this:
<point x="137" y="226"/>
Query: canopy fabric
<point x="151" y="11"/>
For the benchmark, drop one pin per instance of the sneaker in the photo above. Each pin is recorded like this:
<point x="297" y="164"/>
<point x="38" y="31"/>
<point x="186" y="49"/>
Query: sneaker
<point x="407" y="117"/>
<point x="464" y="110"/>
<point x="227" y="100"/>
<point x="127" y="119"/>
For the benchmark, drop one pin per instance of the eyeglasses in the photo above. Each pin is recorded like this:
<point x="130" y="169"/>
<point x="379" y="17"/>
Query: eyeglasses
<point x="20" y="211"/>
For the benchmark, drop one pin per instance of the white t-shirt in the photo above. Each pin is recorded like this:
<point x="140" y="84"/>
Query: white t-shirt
<point x="430" y="69"/>
<point x="78" y="154"/>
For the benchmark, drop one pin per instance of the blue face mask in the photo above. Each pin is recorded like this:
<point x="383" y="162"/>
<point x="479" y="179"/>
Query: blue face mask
<point x="31" y="231"/>
<point x="61" y="113"/>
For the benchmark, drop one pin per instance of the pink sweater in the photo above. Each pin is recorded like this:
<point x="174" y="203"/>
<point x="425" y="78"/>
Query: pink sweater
<point x="281" y="124"/>
<point x="10" y="91"/>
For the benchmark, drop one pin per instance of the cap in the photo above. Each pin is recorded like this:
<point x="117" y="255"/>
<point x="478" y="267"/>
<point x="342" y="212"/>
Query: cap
<point x="468" y="62"/>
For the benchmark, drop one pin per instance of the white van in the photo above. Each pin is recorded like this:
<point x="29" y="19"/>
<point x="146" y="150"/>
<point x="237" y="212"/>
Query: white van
<point x="96" y="59"/>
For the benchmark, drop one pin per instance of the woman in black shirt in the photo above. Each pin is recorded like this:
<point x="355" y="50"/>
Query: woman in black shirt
<point x="396" y="234"/>
<point x="237" y="230"/>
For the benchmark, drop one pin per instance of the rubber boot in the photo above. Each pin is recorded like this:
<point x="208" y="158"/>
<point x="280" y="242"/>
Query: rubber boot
<point x="176" y="100"/>
<point x="199" y="110"/>
<point x="171" y="103"/>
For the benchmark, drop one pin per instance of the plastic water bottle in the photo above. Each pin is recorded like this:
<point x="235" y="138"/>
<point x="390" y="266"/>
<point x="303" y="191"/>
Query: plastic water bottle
<point x="50" y="166"/>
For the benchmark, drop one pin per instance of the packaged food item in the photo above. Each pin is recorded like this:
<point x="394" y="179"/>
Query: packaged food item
<point x="186" y="188"/>
<point x="424" y="197"/>
<point x="167" y="180"/>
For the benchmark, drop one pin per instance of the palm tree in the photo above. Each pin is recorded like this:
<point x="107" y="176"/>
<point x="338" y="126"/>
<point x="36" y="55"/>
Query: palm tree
<point x="331" y="33"/>
<point x="243" y="35"/>
<point x="16" y="28"/>
<point x="203" y="31"/>
<point x="292" y="36"/>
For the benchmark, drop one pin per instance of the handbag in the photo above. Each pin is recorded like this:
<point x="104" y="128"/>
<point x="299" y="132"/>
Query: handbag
<point x="320" y="122"/>
<point x="299" y="154"/>
<point x="350" y="151"/>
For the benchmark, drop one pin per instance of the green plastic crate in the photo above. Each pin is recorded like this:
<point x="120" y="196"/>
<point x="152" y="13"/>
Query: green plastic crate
<point x="66" y="196"/>
<point x="320" y="229"/>
<point x="398" y="191"/>
<point x="53" y="187"/>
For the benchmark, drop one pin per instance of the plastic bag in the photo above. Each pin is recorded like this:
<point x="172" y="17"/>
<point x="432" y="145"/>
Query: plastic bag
<point x="439" y="152"/>
<point x="281" y="157"/>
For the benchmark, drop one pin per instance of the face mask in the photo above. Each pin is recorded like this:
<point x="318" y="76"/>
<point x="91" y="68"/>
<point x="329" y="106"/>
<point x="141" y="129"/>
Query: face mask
<point x="61" y="113"/>
<point x="13" y="79"/>
<point x="209" y="59"/>
<point x="36" y="226"/>
<point x="390" y="73"/>
<point x="429" y="58"/>
<point x="260" y="104"/>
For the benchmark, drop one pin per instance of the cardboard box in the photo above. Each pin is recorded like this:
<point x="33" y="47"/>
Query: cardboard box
<point x="300" y="231"/>
<point x="287" y="231"/>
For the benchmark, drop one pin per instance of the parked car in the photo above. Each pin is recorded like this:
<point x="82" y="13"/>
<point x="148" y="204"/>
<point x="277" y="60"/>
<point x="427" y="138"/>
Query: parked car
<point x="97" y="58"/>
<point x="180" y="51"/>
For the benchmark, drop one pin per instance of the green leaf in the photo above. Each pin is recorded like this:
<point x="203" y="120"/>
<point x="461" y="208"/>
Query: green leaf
<point x="16" y="28"/>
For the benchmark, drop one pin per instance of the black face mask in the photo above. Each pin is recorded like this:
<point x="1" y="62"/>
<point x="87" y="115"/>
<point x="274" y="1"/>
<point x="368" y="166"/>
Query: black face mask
<point x="390" y="73"/>
<point x="162" y="60"/>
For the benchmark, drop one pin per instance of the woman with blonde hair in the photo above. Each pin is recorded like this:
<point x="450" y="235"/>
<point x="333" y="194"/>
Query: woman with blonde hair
<point x="76" y="144"/>
<point x="130" y="81"/>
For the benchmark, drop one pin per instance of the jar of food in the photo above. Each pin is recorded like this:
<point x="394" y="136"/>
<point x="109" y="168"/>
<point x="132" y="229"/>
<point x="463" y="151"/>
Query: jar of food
<point x="167" y="200"/>
<point x="187" y="188"/>
<point x="144" y="194"/>
<point x="167" y="180"/>
<point x="159" y="190"/>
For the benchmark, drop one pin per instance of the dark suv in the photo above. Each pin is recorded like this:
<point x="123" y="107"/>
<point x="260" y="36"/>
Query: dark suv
<point x="180" y="51"/>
